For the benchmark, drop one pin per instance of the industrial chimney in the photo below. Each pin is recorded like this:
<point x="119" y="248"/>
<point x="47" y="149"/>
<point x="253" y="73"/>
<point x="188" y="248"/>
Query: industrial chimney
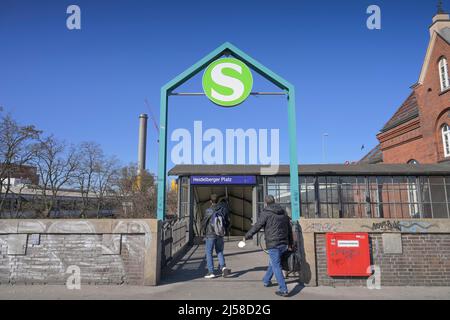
<point x="142" y="149"/>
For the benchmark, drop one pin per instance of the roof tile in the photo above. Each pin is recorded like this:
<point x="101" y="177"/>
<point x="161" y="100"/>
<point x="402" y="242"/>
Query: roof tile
<point x="374" y="156"/>
<point x="408" y="110"/>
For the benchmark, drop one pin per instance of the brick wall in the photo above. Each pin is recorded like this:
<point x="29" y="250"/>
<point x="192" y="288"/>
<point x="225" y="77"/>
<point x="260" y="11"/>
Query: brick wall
<point x="47" y="262"/>
<point x="106" y="251"/>
<point x="434" y="105"/>
<point x="420" y="139"/>
<point x="424" y="261"/>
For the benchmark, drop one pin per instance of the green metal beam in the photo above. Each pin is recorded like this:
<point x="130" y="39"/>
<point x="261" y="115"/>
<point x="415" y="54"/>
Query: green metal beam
<point x="227" y="48"/>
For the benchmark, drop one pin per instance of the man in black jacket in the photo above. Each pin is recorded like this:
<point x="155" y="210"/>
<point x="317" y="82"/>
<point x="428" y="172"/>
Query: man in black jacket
<point x="212" y="240"/>
<point x="278" y="236"/>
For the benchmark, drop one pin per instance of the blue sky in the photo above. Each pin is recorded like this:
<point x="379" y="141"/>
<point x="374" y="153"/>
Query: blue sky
<point x="90" y="84"/>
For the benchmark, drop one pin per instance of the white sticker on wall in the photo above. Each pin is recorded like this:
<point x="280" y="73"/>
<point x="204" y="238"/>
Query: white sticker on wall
<point x="348" y="243"/>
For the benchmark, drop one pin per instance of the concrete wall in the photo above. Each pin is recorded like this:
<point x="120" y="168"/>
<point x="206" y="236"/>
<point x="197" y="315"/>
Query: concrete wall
<point x="106" y="251"/>
<point x="408" y="252"/>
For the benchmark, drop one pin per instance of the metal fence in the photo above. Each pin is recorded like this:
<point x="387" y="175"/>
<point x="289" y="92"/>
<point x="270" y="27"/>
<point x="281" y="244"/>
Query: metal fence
<point x="175" y="236"/>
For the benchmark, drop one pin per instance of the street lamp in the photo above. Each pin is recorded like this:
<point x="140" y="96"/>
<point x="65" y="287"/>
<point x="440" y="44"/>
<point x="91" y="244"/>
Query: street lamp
<point x="324" y="155"/>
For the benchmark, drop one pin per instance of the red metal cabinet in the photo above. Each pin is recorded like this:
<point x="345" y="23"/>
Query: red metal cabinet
<point x="348" y="254"/>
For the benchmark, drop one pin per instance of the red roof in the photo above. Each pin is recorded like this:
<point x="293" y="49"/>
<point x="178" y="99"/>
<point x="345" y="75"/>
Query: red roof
<point x="407" y="111"/>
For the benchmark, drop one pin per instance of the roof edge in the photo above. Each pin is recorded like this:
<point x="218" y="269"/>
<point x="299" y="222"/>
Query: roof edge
<point x="358" y="169"/>
<point x="399" y="122"/>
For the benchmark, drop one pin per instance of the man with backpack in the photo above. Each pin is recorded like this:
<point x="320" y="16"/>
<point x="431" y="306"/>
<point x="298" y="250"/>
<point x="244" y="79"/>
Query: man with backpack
<point x="278" y="236"/>
<point x="215" y="226"/>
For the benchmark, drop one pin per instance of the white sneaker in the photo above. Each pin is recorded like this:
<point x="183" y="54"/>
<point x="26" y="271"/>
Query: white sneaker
<point x="210" y="276"/>
<point x="226" y="272"/>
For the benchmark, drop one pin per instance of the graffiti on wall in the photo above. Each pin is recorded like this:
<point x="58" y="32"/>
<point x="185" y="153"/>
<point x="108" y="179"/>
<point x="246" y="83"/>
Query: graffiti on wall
<point x="416" y="226"/>
<point x="323" y="227"/>
<point x="400" y="226"/>
<point x="384" y="226"/>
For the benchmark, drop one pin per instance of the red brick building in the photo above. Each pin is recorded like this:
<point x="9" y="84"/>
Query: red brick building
<point x="419" y="132"/>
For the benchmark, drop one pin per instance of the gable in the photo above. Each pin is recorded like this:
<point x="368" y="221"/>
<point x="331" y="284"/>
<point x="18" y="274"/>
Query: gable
<point x="407" y="111"/>
<point x="444" y="36"/>
<point x="228" y="49"/>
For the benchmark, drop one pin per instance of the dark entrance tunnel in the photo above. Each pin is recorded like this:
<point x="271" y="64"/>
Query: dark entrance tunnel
<point x="240" y="200"/>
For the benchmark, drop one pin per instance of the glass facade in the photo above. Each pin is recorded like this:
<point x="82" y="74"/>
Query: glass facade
<point x="350" y="196"/>
<point x="400" y="197"/>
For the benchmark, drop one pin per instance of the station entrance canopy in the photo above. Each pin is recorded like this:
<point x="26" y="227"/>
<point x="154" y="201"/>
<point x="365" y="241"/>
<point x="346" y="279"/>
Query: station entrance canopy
<point x="213" y="63"/>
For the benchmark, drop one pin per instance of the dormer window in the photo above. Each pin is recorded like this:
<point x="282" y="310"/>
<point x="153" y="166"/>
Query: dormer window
<point x="443" y="73"/>
<point x="446" y="139"/>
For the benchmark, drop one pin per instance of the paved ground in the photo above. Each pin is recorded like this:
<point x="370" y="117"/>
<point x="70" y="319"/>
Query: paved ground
<point x="185" y="281"/>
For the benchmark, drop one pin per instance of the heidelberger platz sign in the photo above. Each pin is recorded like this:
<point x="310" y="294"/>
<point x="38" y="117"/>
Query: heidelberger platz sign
<point x="223" y="180"/>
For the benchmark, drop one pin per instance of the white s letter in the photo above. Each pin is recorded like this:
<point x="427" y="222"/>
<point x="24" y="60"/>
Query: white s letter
<point x="225" y="81"/>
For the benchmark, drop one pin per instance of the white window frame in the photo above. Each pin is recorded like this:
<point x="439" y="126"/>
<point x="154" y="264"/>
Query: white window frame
<point x="446" y="139"/>
<point x="413" y="200"/>
<point x="443" y="74"/>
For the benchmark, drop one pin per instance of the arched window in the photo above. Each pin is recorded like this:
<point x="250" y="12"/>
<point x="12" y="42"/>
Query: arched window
<point x="413" y="161"/>
<point x="443" y="73"/>
<point x="446" y="139"/>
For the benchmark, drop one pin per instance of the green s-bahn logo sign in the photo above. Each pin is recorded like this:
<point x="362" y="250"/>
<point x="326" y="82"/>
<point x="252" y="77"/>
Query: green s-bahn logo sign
<point x="227" y="82"/>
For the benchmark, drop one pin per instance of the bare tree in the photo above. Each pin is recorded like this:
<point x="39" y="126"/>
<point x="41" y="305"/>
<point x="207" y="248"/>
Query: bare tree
<point x="105" y="176"/>
<point x="136" y="201"/>
<point x="172" y="203"/>
<point x="83" y="176"/>
<point x="15" y="152"/>
<point x="90" y="159"/>
<point x="57" y="165"/>
<point x="96" y="174"/>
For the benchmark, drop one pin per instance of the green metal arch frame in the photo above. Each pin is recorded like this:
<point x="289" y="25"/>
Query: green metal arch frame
<point x="227" y="48"/>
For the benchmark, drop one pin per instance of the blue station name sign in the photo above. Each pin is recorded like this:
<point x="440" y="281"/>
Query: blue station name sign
<point x="223" y="180"/>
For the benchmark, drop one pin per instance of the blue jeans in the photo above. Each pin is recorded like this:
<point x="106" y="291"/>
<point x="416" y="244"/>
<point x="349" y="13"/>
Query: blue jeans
<point x="275" y="267"/>
<point x="212" y="243"/>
